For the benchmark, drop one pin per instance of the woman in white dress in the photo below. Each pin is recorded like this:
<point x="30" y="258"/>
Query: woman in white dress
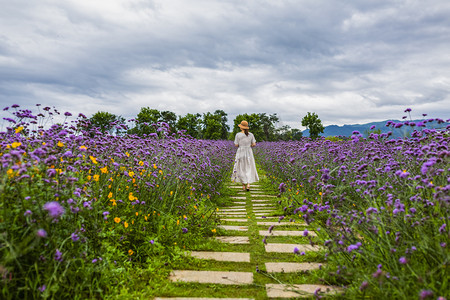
<point x="244" y="170"/>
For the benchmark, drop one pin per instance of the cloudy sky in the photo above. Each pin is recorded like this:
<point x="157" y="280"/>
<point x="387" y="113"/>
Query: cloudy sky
<point x="348" y="61"/>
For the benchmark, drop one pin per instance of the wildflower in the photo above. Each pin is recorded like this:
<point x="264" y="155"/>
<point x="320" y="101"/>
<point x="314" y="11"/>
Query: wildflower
<point x="19" y="129"/>
<point x="403" y="260"/>
<point x="117" y="220"/>
<point x="305" y="233"/>
<point x="15" y="145"/>
<point x="152" y="242"/>
<point x="58" y="255"/>
<point x="296" y="250"/>
<point x="185" y="230"/>
<point x="96" y="177"/>
<point x="130" y="252"/>
<point x="41" y="233"/>
<point x="424" y="294"/>
<point x="54" y="209"/>
<point x="125" y="224"/>
<point x="82" y="148"/>
<point x="94" y="260"/>
<point x="60" y="144"/>
<point x="214" y="230"/>
<point x="442" y="228"/>
<point x="74" y="237"/>
<point x="27" y="213"/>
<point x="93" y="159"/>
<point x="104" y="170"/>
<point x="42" y="288"/>
<point x="363" y="285"/>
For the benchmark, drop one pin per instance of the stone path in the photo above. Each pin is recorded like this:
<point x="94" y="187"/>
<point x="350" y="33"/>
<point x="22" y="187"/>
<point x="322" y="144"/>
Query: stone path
<point x="252" y="217"/>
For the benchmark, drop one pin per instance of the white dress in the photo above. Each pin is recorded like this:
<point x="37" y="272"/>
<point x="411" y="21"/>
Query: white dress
<point x="244" y="170"/>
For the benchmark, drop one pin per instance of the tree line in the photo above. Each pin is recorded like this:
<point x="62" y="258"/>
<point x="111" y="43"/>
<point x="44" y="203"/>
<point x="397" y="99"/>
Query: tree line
<point x="211" y="126"/>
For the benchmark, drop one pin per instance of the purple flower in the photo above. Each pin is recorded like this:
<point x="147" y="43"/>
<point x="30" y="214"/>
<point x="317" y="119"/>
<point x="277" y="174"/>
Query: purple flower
<point x="94" y="260"/>
<point x="408" y="110"/>
<point x="424" y="294"/>
<point x="58" y="255"/>
<point x="55" y="210"/>
<point x="27" y="213"/>
<point x="152" y="242"/>
<point x="42" y="288"/>
<point x="403" y="260"/>
<point x="185" y="230"/>
<point x="282" y="187"/>
<point x="296" y="250"/>
<point x="363" y="285"/>
<point x="442" y="228"/>
<point x="271" y="228"/>
<point x="74" y="237"/>
<point x="41" y="233"/>
<point x="305" y="233"/>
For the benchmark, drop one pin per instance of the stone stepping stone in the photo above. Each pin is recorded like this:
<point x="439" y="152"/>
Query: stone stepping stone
<point x="289" y="267"/>
<point x="237" y="228"/>
<point x="232" y="209"/>
<point x="298" y="290"/>
<point x="235" y="220"/>
<point x="238" y="198"/>
<point x="266" y="196"/>
<point x="193" y="298"/>
<point x="266" y="214"/>
<point x="221" y="256"/>
<point x="262" y="201"/>
<point x="285" y="233"/>
<point x="279" y="224"/>
<point x="226" y="213"/>
<point x="233" y="239"/>
<point x="236" y="202"/>
<point x="235" y="186"/>
<point x="289" y="248"/>
<point x="216" y="277"/>
<point x="262" y="204"/>
<point x="264" y="209"/>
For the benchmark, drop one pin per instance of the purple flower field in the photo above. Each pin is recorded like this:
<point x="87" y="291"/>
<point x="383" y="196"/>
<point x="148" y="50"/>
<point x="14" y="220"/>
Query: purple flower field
<point x="381" y="207"/>
<point x="77" y="205"/>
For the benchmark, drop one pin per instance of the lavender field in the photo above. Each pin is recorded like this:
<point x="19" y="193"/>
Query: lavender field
<point x="82" y="211"/>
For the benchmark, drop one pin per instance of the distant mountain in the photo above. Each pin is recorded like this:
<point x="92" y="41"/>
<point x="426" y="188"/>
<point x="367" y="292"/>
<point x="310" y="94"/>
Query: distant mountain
<point x="346" y="130"/>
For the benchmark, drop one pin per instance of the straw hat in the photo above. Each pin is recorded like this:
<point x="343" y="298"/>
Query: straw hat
<point x="244" y="125"/>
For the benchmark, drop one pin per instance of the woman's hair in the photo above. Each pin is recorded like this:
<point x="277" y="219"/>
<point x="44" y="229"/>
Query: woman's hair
<point x="246" y="132"/>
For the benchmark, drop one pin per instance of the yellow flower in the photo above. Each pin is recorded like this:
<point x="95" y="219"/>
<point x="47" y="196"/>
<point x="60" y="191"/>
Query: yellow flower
<point x="94" y="160"/>
<point x="130" y="252"/>
<point x="19" y="129"/>
<point x="117" y="220"/>
<point x="131" y="174"/>
<point x="104" y="170"/>
<point x="110" y="195"/>
<point x="137" y="214"/>
<point x="89" y="177"/>
<point x="171" y="193"/>
<point x="178" y="222"/>
<point x="154" y="166"/>
<point x="96" y="177"/>
<point x="160" y="171"/>
<point x="60" y="144"/>
<point x="113" y="202"/>
<point x="83" y="148"/>
<point x="127" y="154"/>
<point x="15" y="145"/>
<point x="131" y="197"/>
<point x="213" y="230"/>
<point x="141" y="163"/>
<point x="125" y="224"/>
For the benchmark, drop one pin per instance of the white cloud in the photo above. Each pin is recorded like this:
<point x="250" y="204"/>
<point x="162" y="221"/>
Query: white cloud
<point x="350" y="63"/>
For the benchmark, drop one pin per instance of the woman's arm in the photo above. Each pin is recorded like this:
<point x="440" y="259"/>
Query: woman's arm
<point x="253" y="144"/>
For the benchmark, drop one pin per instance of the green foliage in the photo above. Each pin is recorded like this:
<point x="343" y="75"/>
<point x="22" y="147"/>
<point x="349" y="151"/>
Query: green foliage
<point x="191" y="123"/>
<point x="215" y="126"/>
<point x="106" y="122"/>
<point x="314" y="124"/>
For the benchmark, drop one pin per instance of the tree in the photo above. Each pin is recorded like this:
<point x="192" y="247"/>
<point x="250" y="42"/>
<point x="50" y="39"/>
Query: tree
<point x="254" y="123"/>
<point x="313" y="123"/>
<point x="215" y="125"/>
<point x="191" y="123"/>
<point x="268" y="123"/>
<point x="106" y="122"/>
<point x="170" y="118"/>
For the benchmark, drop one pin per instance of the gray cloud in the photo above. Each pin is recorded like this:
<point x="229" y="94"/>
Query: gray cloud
<point x="348" y="62"/>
